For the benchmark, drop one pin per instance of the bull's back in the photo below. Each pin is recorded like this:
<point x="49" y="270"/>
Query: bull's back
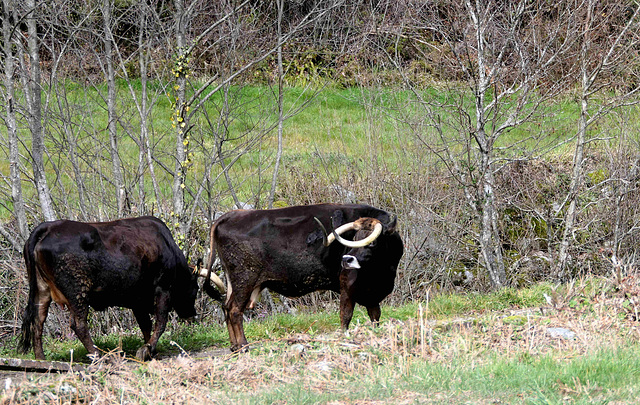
<point x="276" y="246"/>
<point x="285" y="246"/>
<point x="146" y="244"/>
<point x="144" y="239"/>
<point x="119" y="260"/>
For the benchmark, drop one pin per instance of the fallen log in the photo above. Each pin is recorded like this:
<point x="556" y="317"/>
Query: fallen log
<point x="39" y="366"/>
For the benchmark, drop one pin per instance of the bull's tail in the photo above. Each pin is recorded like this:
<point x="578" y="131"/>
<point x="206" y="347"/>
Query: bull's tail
<point x="211" y="275"/>
<point x="31" y="311"/>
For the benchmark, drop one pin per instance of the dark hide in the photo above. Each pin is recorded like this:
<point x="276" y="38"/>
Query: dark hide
<point x="283" y="250"/>
<point x="132" y="263"/>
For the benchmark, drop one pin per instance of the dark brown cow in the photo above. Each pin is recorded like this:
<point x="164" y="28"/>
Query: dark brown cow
<point x="287" y="251"/>
<point x="132" y="263"/>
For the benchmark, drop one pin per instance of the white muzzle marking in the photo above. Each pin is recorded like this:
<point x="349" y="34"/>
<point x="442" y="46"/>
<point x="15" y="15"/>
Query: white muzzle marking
<point x="350" y="262"/>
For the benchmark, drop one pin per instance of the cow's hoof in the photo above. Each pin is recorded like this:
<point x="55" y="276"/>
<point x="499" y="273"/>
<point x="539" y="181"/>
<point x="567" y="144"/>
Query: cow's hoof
<point x="240" y="349"/>
<point x="144" y="353"/>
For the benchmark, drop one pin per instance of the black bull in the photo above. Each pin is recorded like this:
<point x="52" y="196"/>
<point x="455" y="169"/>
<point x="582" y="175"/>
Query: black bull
<point x="288" y="251"/>
<point x="132" y="263"/>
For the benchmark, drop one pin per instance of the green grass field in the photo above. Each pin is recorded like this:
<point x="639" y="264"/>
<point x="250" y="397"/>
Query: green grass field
<point x="338" y="130"/>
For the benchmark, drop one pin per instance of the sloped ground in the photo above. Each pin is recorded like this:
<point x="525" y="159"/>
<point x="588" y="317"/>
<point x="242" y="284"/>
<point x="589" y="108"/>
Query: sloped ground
<point x="360" y="367"/>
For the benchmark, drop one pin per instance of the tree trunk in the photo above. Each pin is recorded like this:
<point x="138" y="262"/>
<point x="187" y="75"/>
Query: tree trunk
<point x="578" y="155"/>
<point x="490" y="246"/>
<point x="223" y="137"/>
<point x="33" y="93"/>
<point x="12" y="132"/>
<point x="574" y="188"/>
<point x="276" y="168"/>
<point x="180" y="72"/>
<point x="118" y="180"/>
<point x="77" y="172"/>
<point x="145" y="147"/>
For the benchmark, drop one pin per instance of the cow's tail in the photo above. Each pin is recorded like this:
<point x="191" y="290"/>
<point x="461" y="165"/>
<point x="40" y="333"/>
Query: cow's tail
<point x="31" y="311"/>
<point x="211" y="275"/>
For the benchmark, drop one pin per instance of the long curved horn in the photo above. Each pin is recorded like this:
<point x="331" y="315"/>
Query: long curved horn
<point x="377" y="230"/>
<point x="325" y="240"/>
<point x="208" y="273"/>
<point x="339" y="231"/>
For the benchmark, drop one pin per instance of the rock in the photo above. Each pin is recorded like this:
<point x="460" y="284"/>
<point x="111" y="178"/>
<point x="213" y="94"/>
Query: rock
<point x="561" y="333"/>
<point x="298" y="348"/>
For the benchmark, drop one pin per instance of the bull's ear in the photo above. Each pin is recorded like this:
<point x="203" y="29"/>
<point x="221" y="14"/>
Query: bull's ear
<point x="337" y="219"/>
<point x="390" y="226"/>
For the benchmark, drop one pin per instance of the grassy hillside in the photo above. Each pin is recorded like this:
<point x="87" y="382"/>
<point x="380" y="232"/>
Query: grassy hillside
<point x="330" y="130"/>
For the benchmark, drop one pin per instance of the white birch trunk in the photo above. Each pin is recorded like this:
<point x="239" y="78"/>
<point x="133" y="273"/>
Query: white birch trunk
<point x="490" y="246"/>
<point x="276" y="168"/>
<point x="33" y="93"/>
<point x="10" y="120"/>
<point x="118" y="180"/>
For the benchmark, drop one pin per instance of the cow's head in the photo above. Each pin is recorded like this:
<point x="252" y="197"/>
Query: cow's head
<point x="370" y="232"/>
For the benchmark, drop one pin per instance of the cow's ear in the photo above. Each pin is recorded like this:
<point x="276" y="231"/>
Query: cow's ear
<point x="337" y="219"/>
<point x="315" y="236"/>
<point x="390" y="226"/>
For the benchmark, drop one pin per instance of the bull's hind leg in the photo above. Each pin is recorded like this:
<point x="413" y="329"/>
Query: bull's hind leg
<point x="236" y="305"/>
<point x="71" y="287"/>
<point x="42" y="303"/>
<point x="239" y="294"/>
<point x="374" y="314"/>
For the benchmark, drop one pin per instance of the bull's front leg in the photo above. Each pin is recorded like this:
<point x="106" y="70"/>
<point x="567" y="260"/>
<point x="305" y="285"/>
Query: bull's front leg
<point x="347" y="304"/>
<point x="144" y="321"/>
<point x="163" y="305"/>
<point x="78" y="323"/>
<point x="374" y="314"/>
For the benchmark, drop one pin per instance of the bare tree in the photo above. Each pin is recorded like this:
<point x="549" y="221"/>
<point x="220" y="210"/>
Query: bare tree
<point x="67" y="119"/>
<point x="501" y="53"/>
<point x="108" y="41"/>
<point x="9" y="96"/>
<point x="144" y="106"/>
<point x="183" y="15"/>
<point x="183" y="109"/>
<point x="188" y="109"/>
<point x="276" y="168"/>
<point x="152" y="38"/>
<point x="608" y="38"/>
<point x="31" y="80"/>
